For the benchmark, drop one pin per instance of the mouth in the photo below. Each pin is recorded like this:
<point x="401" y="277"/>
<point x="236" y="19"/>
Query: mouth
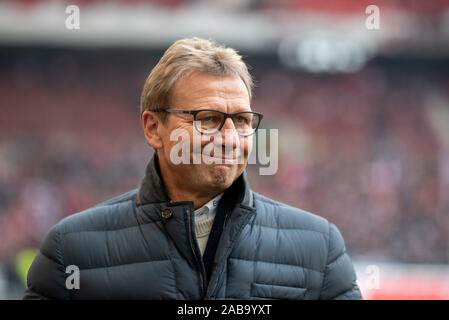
<point x="220" y="160"/>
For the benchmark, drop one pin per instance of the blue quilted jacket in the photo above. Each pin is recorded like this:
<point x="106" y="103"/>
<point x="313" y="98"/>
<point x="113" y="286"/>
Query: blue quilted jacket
<point x="142" y="246"/>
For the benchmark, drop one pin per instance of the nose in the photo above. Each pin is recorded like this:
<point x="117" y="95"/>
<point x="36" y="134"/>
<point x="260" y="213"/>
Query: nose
<point x="229" y="136"/>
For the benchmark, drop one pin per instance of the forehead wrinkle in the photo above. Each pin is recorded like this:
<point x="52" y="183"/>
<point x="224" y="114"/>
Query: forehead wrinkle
<point x="199" y="93"/>
<point x="194" y="90"/>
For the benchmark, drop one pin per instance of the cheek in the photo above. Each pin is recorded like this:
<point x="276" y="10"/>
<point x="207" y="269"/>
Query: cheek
<point x="175" y="135"/>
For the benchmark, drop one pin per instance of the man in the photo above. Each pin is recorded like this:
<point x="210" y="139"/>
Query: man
<point x="194" y="229"/>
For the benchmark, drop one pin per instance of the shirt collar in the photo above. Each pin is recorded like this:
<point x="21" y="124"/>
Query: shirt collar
<point x="209" y="209"/>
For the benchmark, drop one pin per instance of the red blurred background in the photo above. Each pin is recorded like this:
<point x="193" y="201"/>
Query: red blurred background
<point x="363" y="120"/>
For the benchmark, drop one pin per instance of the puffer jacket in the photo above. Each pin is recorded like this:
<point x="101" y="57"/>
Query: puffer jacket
<point x="142" y="246"/>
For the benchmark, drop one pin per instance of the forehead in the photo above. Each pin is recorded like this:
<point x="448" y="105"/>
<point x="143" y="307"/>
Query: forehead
<point x="201" y="89"/>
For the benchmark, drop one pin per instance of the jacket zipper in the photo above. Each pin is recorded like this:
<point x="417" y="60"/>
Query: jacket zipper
<point x="225" y="220"/>
<point x="194" y="250"/>
<point x="245" y="220"/>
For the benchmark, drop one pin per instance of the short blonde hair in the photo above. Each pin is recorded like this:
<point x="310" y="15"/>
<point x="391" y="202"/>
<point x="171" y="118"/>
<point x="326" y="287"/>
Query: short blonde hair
<point x="186" y="56"/>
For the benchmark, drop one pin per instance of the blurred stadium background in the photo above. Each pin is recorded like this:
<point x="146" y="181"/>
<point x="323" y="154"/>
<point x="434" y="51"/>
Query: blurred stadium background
<point x="363" y="119"/>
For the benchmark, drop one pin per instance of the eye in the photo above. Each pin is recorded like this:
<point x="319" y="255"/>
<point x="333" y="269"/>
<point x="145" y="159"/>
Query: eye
<point x="211" y="118"/>
<point x="242" y="119"/>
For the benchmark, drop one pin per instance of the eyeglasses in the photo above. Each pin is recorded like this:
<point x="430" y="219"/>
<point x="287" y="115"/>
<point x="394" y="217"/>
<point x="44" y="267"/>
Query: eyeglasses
<point x="210" y="121"/>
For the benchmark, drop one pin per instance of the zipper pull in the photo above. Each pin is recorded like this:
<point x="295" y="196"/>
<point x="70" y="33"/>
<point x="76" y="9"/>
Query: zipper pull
<point x="226" y="220"/>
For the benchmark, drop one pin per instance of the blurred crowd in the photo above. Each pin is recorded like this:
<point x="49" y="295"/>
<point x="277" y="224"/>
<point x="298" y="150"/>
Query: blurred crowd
<point x="341" y="6"/>
<point x="367" y="151"/>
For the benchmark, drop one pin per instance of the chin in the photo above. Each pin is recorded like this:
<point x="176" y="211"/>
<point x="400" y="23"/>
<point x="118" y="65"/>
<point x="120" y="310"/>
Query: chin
<point x="222" y="176"/>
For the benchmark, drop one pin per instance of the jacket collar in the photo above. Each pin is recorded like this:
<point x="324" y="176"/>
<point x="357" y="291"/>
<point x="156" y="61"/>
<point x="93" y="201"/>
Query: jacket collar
<point x="152" y="188"/>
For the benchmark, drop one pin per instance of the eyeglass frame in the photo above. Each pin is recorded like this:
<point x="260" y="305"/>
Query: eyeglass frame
<point x="225" y="114"/>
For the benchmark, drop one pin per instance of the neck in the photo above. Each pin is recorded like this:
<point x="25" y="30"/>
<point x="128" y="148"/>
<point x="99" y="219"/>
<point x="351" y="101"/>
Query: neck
<point x="178" y="191"/>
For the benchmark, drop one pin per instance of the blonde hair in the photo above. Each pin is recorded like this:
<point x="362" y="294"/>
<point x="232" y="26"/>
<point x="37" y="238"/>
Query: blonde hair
<point x="186" y="56"/>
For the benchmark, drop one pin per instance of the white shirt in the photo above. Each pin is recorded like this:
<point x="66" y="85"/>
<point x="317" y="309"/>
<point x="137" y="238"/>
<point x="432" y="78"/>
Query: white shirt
<point x="208" y="210"/>
<point x="204" y="218"/>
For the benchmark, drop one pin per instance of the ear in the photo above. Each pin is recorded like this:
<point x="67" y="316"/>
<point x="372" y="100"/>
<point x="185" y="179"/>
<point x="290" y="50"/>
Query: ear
<point x="151" y="124"/>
